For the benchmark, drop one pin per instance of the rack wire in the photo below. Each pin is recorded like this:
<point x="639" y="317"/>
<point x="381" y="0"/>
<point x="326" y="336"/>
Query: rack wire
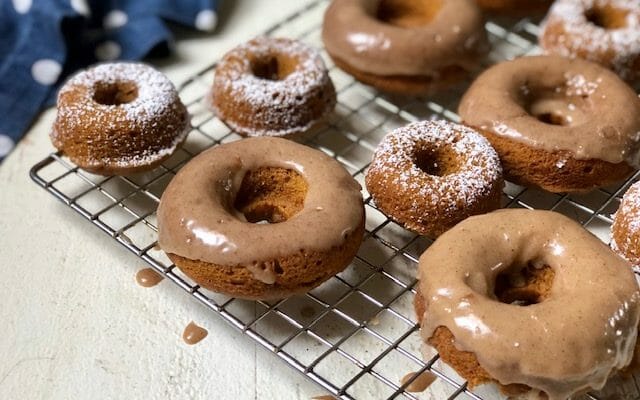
<point x="355" y="335"/>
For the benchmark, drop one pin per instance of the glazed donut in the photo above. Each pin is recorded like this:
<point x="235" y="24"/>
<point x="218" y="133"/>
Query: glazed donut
<point x="119" y="118"/>
<point x="514" y="6"/>
<point x="405" y="46"/>
<point x="211" y="218"/>
<point x="625" y="230"/>
<point x="604" y="31"/>
<point x="430" y="175"/>
<point x="272" y="87"/>
<point x="529" y="300"/>
<point x="559" y="124"/>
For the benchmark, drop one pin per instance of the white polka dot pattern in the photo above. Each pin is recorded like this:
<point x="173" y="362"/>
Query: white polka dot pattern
<point x="46" y="71"/>
<point x="115" y="19"/>
<point x="81" y="7"/>
<point x="206" y="20"/>
<point x="6" y="144"/>
<point x="108" y="51"/>
<point x="22" y="6"/>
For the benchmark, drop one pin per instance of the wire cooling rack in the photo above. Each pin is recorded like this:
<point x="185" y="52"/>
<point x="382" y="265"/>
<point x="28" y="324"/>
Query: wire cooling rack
<point x="356" y="334"/>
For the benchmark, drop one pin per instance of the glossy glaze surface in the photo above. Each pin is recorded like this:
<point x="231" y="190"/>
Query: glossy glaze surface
<point x="573" y="340"/>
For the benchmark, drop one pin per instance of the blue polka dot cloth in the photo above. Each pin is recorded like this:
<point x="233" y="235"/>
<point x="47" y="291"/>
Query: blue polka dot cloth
<point x="43" y="41"/>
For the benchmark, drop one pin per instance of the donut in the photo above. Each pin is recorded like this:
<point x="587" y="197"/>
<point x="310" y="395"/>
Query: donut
<point x="261" y="218"/>
<point x="430" y="175"/>
<point x="518" y="7"/>
<point x="563" y="125"/>
<point x="625" y="230"/>
<point x="529" y="300"/>
<point x="603" y="31"/>
<point x="404" y="46"/>
<point x="119" y="118"/>
<point x="272" y="87"/>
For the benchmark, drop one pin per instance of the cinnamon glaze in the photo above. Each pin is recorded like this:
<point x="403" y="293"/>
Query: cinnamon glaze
<point x="573" y="340"/>
<point x="420" y="383"/>
<point x="193" y="333"/>
<point x="404" y="37"/>
<point x="147" y="277"/>
<point x="555" y="103"/>
<point x="197" y="218"/>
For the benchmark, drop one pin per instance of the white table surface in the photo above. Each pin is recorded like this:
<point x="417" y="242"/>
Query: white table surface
<point x="75" y="325"/>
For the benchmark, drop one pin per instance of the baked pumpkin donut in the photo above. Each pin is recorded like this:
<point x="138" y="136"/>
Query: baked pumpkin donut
<point x="529" y="300"/>
<point x="604" y="31"/>
<point x="430" y="175"/>
<point x="272" y="87"/>
<point x="518" y="7"/>
<point x="559" y="124"/>
<point x="119" y="118"/>
<point x="211" y="218"/>
<point x="405" y="46"/>
<point x="625" y="230"/>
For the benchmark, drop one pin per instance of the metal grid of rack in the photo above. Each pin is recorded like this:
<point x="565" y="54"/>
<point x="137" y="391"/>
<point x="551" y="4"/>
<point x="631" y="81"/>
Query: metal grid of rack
<point x="360" y="322"/>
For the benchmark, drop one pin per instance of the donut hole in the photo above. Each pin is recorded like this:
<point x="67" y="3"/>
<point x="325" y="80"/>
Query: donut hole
<point x="273" y="67"/>
<point x="271" y="195"/>
<point x="524" y="286"/>
<point x="552" y="118"/>
<point x="115" y="93"/>
<point x="607" y="17"/>
<point x="408" y="13"/>
<point x="551" y="107"/>
<point x="436" y="161"/>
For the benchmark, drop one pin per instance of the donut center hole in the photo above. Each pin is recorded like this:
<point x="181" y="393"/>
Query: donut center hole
<point x="408" y="13"/>
<point x="271" y="195"/>
<point x="555" y="107"/>
<point x="524" y="286"/>
<point x="273" y="67"/>
<point x="607" y="17"/>
<point x="436" y="161"/>
<point x="115" y="93"/>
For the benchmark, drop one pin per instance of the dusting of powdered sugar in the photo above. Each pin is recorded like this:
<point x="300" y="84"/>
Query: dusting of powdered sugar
<point x="394" y="162"/>
<point x="156" y="93"/>
<point x="276" y="102"/>
<point x="627" y="220"/>
<point x="156" y="97"/>
<point x="579" y="85"/>
<point x="144" y="157"/>
<point x="581" y="37"/>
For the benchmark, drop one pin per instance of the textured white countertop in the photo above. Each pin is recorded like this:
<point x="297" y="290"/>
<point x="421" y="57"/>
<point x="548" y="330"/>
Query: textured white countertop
<point x="75" y="325"/>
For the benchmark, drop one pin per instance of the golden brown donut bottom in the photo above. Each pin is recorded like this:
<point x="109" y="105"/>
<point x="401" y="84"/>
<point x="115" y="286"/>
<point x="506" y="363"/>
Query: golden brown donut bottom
<point x="406" y="85"/>
<point x="555" y="172"/>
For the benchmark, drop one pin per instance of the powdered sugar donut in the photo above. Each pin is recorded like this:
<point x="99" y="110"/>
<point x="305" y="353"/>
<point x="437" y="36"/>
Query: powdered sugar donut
<point x="272" y="87"/>
<point x="119" y="118"/>
<point x="625" y="231"/>
<point x="604" y="31"/>
<point x="430" y="175"/>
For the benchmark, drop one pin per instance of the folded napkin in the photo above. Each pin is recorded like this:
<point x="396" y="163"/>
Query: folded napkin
<point x="43" y="41"/>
